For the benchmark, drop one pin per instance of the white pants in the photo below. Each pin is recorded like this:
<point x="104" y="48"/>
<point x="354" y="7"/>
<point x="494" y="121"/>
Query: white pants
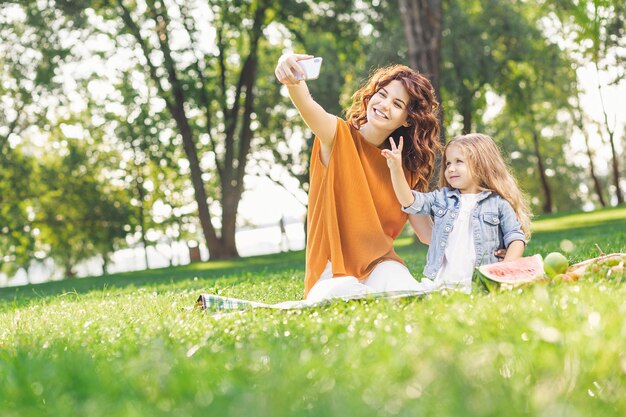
<point x="386" y="276"/>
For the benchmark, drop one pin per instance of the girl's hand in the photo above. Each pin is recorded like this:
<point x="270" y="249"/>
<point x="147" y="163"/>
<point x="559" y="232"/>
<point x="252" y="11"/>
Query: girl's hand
<point x="500" y="254"/>
<point x="394" y="155"/>
<point x="287" y="69"/>
<point x="398" y="180"/>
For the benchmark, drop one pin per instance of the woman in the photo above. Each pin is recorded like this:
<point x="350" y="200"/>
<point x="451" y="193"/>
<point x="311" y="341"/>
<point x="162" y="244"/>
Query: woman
<point x="353" y="215"/>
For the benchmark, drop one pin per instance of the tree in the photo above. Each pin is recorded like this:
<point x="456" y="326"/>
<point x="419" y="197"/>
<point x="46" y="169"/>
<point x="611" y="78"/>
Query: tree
<point x="18" y="189"/>
<point x="31" y="51"/>
<point x="423" y="25"/>
<point x="535" y="91"/>
<point x="480" y="39"/>
<point x="577" y="115"/>
<point x="497" y="48"/>
<point x="144" y="135"/>
<point x="210" y="88"/>
<point x="333" y="31"/>
<point x="596" y="28"/>
<point x="82" y="213"/>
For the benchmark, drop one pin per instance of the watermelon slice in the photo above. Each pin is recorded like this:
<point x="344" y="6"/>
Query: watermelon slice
<point x="510" y="274"/>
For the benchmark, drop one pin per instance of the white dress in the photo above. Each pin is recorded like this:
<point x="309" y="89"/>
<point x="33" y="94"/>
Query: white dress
<point x="460" y="255"/>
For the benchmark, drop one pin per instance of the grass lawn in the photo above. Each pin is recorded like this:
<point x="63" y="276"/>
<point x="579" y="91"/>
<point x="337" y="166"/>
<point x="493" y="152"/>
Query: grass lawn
<point x="132" y="345"/>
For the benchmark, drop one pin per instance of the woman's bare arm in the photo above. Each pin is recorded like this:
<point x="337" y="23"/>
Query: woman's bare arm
<point x="423" y="226"/>
<point x="322" y="123"/>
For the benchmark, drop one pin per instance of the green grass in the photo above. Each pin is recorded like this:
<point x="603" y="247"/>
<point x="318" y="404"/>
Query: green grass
<point x="132" y="344"/>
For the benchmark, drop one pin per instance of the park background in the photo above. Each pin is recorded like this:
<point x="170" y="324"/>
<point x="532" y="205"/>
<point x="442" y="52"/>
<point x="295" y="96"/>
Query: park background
<point x="149" y="124"/>
<point x="131" y="130"/>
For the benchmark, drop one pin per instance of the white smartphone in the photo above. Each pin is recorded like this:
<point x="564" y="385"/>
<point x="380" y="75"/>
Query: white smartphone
<point x="311" y="68"/>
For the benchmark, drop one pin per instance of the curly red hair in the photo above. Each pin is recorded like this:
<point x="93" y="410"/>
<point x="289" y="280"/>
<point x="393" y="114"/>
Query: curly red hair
<point x="421" y="137"/>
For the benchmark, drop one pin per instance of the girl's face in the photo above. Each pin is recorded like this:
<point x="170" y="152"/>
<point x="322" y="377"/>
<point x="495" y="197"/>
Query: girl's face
<point x="458" y="173"/>
<point x="387" y="108"/>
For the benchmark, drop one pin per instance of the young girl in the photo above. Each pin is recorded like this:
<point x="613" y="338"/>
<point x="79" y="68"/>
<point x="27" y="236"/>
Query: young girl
<point x="352" y="215"/>
<point x="477" y="210"/>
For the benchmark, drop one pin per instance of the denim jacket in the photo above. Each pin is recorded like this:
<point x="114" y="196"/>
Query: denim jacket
<point x="494" y="224"/>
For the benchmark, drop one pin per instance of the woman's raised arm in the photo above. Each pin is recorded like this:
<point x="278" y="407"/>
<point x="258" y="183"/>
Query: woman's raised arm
<point x="423" y="226"/>
<point x="322" y="123"/>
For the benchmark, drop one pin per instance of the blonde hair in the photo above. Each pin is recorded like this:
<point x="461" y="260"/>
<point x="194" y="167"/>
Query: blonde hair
<point x="489" y="171"/>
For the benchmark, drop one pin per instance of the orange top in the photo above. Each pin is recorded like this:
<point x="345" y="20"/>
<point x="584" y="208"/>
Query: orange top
<point x="354" y="215"/>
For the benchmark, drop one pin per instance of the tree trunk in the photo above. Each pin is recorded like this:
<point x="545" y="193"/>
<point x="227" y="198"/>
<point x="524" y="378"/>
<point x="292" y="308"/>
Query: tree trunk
<point x="210" y="236"/>
<point x="547" y="205"/>
<point x="611" y="133"/>
<point x="231" y="168"/>
<point x="141" y="193"/>
<point x="233" y="173"/>
<point x="592" y="169"/>
<point x="178" y="111"/>
<point x="230" y="204"/>
<point x="615" y="167"/>
<point x="235" y="159"/>
<point x="466" y="114"/>
<point x="69" y="272"/>
<point x="576" y="112"/>
<point x="175" y="103"/>
<point x="105" y="264"/>
<point x="423" y="24"/>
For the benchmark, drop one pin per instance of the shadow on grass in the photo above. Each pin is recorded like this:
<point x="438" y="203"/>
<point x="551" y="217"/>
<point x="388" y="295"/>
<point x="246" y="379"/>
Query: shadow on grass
<point x="202" y="270"/>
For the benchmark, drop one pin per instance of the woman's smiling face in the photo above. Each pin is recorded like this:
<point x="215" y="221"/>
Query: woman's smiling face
<point x="387" y="109"/>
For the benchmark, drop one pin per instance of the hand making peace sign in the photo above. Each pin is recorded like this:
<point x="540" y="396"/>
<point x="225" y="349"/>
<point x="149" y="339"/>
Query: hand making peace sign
<point x="394" y="155"/>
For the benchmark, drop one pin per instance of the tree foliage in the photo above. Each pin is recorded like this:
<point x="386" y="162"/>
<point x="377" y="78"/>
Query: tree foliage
<point x="17" y="196"/>
<point x="174" y="95"/>
<point x="597" y="28"/>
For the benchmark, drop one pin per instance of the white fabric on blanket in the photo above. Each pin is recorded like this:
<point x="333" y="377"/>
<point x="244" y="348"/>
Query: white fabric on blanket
<point x="388" y="280"/>
<point x="386" y="276"/>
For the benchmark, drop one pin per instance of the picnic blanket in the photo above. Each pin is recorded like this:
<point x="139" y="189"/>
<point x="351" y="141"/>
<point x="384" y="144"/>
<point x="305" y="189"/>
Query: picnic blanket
<point x="219" y="303"/>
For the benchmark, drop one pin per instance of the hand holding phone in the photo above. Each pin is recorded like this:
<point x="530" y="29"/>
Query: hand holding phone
<point x="311" y="68"/>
